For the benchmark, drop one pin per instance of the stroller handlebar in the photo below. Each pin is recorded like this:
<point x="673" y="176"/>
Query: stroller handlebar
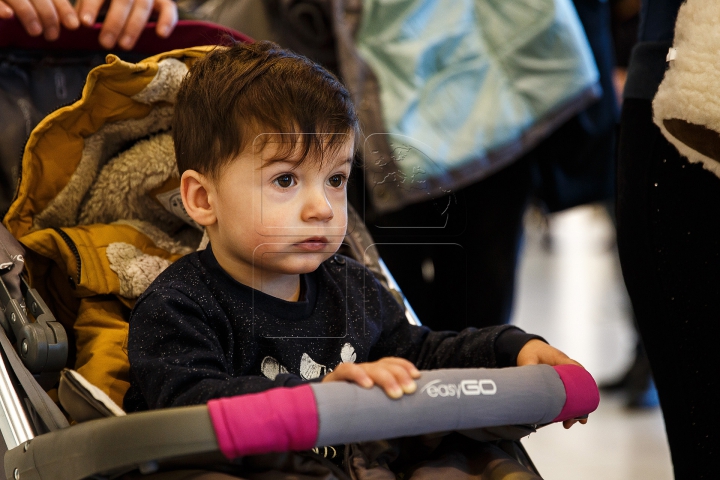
<point x="310" y="415"/>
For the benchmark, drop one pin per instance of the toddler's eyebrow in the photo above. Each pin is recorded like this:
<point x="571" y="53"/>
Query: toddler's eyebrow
<point x="344" y="162"/>
<point x="272" y="161"/>
<point x="294" y="162"/>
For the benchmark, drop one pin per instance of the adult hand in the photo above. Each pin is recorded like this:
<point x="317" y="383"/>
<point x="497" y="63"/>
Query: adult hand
<point x="41" y="16"/>
<point x="123" y="23"/>
<point x="392" y="374"/>
<point x="126" y="19"/>
<point x="536" y="352"/>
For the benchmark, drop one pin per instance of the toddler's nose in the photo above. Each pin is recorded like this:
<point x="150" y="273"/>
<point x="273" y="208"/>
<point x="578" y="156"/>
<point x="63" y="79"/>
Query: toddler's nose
<point x="317" y="206"/>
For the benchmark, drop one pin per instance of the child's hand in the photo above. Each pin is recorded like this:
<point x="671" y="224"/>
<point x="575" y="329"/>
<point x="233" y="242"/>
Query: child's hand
<point x="537" y="352"/>
<point x="392" y="374"/>
<point x="569" y="423"/>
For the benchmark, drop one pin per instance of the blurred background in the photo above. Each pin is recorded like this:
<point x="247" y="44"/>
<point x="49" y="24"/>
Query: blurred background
<point x="570" y="291"/>
<point x="568" y="286"/>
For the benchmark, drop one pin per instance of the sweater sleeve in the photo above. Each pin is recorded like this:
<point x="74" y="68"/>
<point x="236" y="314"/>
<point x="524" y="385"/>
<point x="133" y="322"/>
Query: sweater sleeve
<point x="179" y="355"/>
<point x="490" y="347"/>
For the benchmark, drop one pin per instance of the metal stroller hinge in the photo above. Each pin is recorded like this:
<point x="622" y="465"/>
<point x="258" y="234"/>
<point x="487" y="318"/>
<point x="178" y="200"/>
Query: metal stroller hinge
<point x="42" y="344"/>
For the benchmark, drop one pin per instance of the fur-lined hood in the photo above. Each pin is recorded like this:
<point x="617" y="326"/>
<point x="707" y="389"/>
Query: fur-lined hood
<point x="98" y="190"/>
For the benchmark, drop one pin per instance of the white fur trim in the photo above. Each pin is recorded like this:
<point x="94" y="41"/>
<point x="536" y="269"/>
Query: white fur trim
<point x="158" y="237"/>
<point x="104" y="144"/>
<point x="691" y="86"/>
<point x="122" y="186"/>
<point x="62" y="211"/>
<point x="135" y="269"/>
<point x="165" y="85"/>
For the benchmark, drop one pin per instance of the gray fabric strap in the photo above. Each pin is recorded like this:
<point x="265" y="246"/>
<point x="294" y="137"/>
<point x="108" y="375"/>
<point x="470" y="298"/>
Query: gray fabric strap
<point x="453" y="399"/>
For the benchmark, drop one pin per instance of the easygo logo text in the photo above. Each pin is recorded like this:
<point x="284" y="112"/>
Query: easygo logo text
<point x="465" y="387"/>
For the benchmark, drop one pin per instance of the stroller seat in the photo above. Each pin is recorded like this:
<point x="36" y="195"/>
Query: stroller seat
<point x="98" y="214"/>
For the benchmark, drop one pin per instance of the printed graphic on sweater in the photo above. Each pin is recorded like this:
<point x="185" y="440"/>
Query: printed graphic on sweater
<point x="309" y="369"/>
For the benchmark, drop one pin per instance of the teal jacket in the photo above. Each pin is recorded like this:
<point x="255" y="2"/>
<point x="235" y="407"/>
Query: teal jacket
<point x="450" y="91"/>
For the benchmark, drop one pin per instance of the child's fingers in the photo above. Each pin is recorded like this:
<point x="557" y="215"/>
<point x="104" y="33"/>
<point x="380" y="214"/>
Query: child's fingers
<point x="559" y="358"/>
<point x="569" y="423"/>
<point x="393" y="375"/>
<point x="538" y="352"/>
<point x="406" y="364"/>
<point x="402" y="377"/>
<point x="385" y="379"/>
<point x="350" y="372"/>
<point x="573" y="362"/>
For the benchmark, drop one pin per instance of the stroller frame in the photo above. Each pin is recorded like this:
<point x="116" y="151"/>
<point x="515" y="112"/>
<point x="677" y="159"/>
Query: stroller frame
<point x="39" y="441"/>
<point x="144" y="440"/>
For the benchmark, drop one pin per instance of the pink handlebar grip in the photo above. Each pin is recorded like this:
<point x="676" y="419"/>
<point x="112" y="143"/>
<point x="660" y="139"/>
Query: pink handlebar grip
<point x="581" y="392"/>
<point x="272" y="421"/>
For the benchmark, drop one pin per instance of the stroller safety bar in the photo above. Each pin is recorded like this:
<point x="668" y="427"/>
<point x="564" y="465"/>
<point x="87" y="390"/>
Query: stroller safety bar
<point x="111" y="444"/>
<point x="310" y="415"/>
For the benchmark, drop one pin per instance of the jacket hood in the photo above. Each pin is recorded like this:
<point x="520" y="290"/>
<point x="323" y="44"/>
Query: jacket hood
<point x="98" y="192"/>
<point x="96" y="161"/>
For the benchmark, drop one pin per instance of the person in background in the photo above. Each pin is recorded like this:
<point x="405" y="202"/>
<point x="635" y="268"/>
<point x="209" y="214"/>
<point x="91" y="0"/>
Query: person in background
<point x="669" y="244"/>
<point x="122" y="26"/>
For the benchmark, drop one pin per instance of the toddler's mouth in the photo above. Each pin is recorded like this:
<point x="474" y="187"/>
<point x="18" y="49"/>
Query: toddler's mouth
<point x="313" y="244"/>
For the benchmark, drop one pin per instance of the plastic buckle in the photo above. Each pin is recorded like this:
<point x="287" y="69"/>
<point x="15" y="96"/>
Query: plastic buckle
<point x="42" y="344"/>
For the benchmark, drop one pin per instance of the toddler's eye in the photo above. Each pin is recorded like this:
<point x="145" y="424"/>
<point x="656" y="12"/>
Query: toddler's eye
<point x="336" y="181"/>
<point x="284" y="181"/>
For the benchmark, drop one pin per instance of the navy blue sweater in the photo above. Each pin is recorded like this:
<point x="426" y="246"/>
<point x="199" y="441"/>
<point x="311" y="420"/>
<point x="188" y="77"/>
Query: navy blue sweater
<point x="197" y="334"/>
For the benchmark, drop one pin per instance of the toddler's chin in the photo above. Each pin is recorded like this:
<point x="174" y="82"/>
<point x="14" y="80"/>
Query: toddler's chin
<point x="303" y="263"/>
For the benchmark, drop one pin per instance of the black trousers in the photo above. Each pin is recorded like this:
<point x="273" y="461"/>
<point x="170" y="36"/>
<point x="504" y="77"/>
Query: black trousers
<point x="668" y="220"/>
<point x="455" y="258"/>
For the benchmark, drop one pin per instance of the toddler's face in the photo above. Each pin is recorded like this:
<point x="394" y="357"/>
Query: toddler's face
<point x="277" y="218"/>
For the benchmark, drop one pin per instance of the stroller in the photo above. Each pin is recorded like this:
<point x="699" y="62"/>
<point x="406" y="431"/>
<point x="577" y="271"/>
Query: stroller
<point x="83" y="257"/>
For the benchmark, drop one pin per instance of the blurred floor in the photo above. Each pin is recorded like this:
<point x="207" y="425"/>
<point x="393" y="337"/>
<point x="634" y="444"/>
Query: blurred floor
<point x="570" y="291"/>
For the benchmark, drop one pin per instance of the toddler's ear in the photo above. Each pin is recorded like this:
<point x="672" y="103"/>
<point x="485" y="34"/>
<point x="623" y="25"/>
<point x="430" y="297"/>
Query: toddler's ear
<point x="194" y="188"/>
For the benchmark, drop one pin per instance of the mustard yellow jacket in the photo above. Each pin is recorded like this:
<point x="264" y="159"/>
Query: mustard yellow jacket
<point x="88" y="254"/>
